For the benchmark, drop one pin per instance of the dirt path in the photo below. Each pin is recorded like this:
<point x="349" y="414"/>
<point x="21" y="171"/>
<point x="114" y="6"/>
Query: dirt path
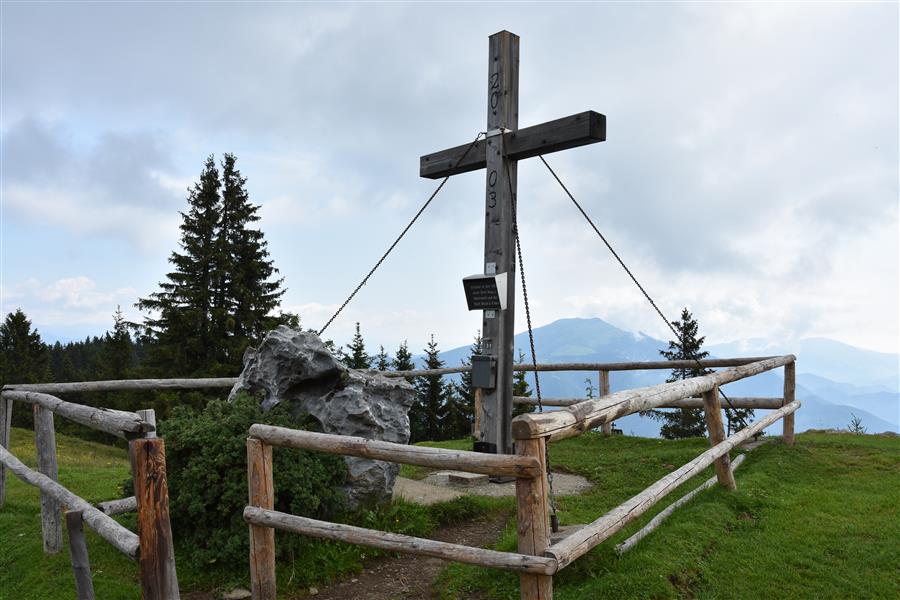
<point x="408" y="577"/>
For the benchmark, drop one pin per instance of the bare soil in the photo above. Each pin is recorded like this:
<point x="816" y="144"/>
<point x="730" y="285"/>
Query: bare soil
<point x="409" y="577"/>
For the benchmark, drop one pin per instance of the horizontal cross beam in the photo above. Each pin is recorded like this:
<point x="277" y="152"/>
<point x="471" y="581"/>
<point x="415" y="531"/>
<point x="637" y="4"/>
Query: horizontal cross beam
<point x="569" y="132"/>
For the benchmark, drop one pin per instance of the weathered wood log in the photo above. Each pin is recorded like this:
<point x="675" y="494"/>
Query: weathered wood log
<point x="78" y="555"/>
<point x="712" y="412"/>
<point x="591" y="535"/>
<point x="115" y="422"/>
<point x="120" y="506"/>
<point x="664" y="514"/>
<point x="576" y="419"/>
<point x="51" y="514"/>
<point x="148" y="416"/>
<point x="439" y="458"/>
<point x="790" y="384"/>
<point x="736" y="402"/>
<point x="395" y="542"/>
<point x="120" y="538"/>
<point x="6" y="407"/>
<point x="621" y="366"/>
<point x="605" y="428"/>
<point x="120" y="385"/>
<point x="159" y="580"/>
<point x="262" y="539"/>
<point x="532" y="520"/>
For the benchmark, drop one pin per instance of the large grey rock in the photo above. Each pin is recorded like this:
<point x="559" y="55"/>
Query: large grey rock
<point x="295" y="367"/>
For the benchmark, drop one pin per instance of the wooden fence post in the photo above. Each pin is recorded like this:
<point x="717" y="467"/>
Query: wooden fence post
<point x="262" y="539"/>
<point x="51" y="515"/>
<point x="606" y="428"/>
<point x="712" y="409"/>
<point x="78" y="554"/>
<point x="6" y="407"/>
<point x="159" y="580"/>
<point x="790" y="384"/>
<point x="532" y="520"/>
<point x="477" y="395"/>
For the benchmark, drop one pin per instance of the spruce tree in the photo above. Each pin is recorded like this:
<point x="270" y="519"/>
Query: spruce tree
<point x="221" y="295"/>
<point x="23" y="358"/>
<point x="357" y="358"/>
<point x="429" y="411"/>
<point x="382" y="360"/>
<point x="179" y="324"/>
<point x="464" y="390"/>
<point x="521" y="388"/>
<point x="403" y="360"/>
<point x="683" y="422"/>
<point x="117" y="353"/>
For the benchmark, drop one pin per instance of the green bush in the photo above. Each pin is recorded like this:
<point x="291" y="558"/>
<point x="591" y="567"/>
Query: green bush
<point x="206" y="460"/>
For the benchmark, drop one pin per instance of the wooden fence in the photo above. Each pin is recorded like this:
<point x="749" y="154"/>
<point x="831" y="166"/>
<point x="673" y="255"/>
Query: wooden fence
<point x="152" y="545"/>
<point x="536" y="560"/>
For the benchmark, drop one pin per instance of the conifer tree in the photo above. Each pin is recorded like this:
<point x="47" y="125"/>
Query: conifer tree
<point x="403" y="360"/>
<point x="23" y="358"/>
<point x="429" y="411"/>
<point x="117" y="352"/>
<point x="382" y="360"/>
<point x="683" y="422"/>
<point x="357" y="358"/>
<point x="521" y="388"/>
<point x="464" y="390"/>
<point x="220" y="296"/>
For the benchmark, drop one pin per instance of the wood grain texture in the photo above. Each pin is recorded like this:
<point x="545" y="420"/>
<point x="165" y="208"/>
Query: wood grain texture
<point x="533" y="520"/>
<point x="51" y="511"/>
<point x="712" y="412"/>
<point x="115" y="422"/>
<point x="620" y="366"/>
<point x="6" y="407"/>
<point x="261" y="488"/>
<point x="438" y="458"/>
<point x="120" y="506"/>
<point x="120" y="538"/>
<point x="159" y="580"/>
<point x="605" y="428"/>
<point x="790" y="384"/>
<point x="78" y="556"/>
<point x="591" y="535"/>
<point x="576" y="130"/>
<point x="736" y="401"/>
<point x="395" y="542"/>
<point x="588" y="414"/>
<point x="118" y="385"/>
<point x="664" y="514"/>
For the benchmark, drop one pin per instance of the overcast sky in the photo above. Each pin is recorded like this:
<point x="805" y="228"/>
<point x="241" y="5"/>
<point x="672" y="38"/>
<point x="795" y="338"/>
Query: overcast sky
<point x="750" y="171"/>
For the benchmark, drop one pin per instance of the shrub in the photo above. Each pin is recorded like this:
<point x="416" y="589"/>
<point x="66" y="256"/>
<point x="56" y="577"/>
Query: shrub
<point x="206" y="460"/>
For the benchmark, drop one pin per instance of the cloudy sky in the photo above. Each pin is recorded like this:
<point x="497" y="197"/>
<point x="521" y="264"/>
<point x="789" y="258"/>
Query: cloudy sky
<point x="750" y="171"/>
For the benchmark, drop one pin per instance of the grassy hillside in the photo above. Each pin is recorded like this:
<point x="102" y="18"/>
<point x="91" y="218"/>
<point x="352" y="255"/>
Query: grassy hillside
<point x="819" y="520"/>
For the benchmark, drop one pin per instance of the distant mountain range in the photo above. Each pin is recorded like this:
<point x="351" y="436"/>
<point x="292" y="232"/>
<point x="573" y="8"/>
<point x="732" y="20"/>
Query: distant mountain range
<point x="833" y="379"/>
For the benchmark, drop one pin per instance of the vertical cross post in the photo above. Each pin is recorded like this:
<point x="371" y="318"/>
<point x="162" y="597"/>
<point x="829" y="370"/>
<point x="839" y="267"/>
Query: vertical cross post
<point x="499" y="237"/>
<point x="712" y="409"/>
<point x="78" y="555"/>
<point x="790" y="384"/>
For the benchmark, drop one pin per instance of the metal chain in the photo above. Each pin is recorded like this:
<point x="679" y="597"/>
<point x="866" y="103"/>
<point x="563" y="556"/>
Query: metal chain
<point x="402" y="233"/>
<point x="636" y="282"/>
<point x="554" y="519"/>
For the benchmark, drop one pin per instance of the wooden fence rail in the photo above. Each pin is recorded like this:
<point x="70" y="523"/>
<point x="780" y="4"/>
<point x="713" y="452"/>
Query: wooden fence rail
<point x="735" y="402"/>
<point x="437" y="458"/>
<point x="590" y="535"/>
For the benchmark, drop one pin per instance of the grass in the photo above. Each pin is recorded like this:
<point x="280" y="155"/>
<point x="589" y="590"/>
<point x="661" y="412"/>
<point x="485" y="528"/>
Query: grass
<point x="96" y="472"/>
<point x="819" y="520"/>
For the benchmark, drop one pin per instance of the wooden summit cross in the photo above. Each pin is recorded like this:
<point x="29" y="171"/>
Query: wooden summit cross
<point x="504" y="145"/>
